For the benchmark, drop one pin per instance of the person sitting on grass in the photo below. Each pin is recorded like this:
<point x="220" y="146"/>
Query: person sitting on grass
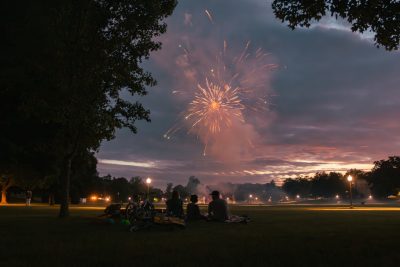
<point x="175" y="205"/>
<point x="193" y="210"/>
<point x="218" y="211"/>
<point x="217" y="208"/>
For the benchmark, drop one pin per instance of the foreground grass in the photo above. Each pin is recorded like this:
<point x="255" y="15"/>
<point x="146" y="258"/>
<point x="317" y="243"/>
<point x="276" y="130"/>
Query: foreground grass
<point x="278" y="236"/>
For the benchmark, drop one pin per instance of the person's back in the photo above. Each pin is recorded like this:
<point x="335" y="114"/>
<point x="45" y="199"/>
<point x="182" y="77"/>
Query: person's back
<point x="193" y="210"/>
<point x="175" y="205"/>
<point x="218" y="208"/>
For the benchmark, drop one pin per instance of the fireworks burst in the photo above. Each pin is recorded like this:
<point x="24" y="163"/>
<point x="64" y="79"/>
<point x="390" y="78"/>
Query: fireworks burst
<point x="215" y="107"/>
<point x="231" y="90"/>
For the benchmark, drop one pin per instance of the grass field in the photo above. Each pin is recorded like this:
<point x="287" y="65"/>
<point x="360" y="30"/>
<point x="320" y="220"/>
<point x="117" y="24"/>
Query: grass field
<point x="277" y="236"/>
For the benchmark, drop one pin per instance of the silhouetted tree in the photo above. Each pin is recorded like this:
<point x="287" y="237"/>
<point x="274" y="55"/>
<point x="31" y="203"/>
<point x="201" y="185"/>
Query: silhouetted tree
<point x="327" y="185"/>
<point x="272" y="184"/>
<point x="83" y="175"/>
<point x="168" y="190"/>
<point x="156" y="193"/>
<point x="138" y="187"/>
<point x="381" y="17"/>
<point x="25" y="154"/>
<point x="384" y="178"/>
<point x="298" y="186"/>
<point x="119" y="189"/>
<point x="66" y="65"/>
<point x="182" y="191"/>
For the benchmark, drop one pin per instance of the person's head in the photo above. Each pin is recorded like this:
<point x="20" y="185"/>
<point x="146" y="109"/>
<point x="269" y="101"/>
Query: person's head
<point x="194" y="199"/>
<point x="175" y="194"/>
<point x="215" y="195"/>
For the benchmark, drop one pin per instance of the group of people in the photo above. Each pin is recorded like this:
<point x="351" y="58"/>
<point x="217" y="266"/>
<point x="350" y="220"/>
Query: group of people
<point x="217" y="208"/>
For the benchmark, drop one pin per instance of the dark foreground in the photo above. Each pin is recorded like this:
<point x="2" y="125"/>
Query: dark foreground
<point x="278" y="236"/>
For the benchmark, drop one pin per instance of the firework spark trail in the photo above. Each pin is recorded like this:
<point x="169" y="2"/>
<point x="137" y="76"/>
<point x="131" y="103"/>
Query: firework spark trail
<point x="209" y="15"/>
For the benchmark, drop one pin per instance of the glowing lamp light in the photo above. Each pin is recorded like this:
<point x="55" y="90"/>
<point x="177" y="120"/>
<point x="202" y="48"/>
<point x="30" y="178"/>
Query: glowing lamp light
<point x="298" y="196"/>
<point x="370" y="197"/>
<point x="148" y="180"/>
<point x="129" y="198"/>
<point x="107" y="199"/>
<point x="94" y="198"/>
<point x="250" y="196"/>
<point x="337" y="196"/>
<point x="349" y="178"/>
<point x="256" y="198"/>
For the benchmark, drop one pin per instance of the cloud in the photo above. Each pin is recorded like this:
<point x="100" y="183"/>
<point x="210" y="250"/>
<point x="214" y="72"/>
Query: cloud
<point x="128" y="163"/>
<point x="331" y="23"/>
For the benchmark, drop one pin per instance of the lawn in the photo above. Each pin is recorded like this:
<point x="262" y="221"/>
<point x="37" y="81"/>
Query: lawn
<point x="277" y="236"/>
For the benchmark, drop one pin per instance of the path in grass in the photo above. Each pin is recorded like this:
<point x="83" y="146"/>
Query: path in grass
<point x="278" y="236"/>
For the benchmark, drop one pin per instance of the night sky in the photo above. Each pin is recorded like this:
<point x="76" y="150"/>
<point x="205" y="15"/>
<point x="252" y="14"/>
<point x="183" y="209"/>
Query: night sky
<point x="333" y="100"/>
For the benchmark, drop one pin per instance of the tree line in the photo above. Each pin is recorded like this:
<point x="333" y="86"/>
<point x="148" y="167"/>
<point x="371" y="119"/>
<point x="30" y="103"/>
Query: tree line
<point x="382" y="181"/>
<point x="89" y="183"/>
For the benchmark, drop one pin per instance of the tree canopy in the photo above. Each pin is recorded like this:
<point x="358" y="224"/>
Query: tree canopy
<point x="381" y="17"/>
<point x="384" y="179"/>
<point x="67" y="66"/>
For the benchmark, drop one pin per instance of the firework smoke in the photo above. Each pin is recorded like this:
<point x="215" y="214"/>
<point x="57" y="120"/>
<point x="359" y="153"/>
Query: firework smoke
<point x="225" y="91"/>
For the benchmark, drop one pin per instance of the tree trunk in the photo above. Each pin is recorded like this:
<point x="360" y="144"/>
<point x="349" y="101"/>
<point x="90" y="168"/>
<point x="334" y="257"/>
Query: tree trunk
<point x="4" y="188"/>
<point x="65" y="182"/>
<point x="3" y="195"/>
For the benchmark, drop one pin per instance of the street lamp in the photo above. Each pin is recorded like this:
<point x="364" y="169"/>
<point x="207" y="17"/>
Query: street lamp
<point x="350" y="179"/>
<point x="148" y="182"/>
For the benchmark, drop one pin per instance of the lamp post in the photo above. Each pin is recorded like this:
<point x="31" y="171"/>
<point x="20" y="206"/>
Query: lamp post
<point x="350" y="179"/>
<point x="148" y="182"/>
